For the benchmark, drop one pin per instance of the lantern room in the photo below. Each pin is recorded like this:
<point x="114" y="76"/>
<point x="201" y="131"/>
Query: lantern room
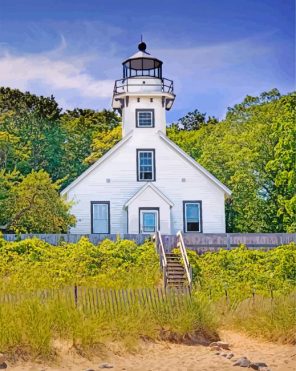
<point x="142" y="64"/>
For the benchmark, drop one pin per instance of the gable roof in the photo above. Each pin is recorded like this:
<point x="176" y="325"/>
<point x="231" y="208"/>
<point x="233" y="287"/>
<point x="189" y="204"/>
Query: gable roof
<point x="143" y="189"/>
<point x="98" y="162"/>
<point x="167" y="141"/>
<point x="194" y="163"/>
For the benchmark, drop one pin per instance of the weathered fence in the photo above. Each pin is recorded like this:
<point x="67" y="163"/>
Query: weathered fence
<point x="94" y="300"/>
<point x="199" y="242"/>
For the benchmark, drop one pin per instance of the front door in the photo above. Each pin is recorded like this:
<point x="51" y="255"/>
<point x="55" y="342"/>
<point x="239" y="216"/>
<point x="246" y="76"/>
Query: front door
<point x="149" y="220"/>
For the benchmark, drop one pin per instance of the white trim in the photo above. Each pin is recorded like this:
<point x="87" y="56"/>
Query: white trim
<point x="185" y="215"/>
<point x="152" y="165"/>
<point x="150" y="125"/>
<point x="142" y="212"/>
<point x="97" y="163"/>
<point x="143" y="189"/>
<point x="194" y="163"/>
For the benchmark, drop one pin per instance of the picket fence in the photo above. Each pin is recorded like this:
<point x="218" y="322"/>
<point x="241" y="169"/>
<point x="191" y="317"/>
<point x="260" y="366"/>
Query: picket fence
<point x="94" y="300"/>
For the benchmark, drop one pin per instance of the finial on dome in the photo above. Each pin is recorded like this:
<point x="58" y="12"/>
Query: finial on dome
<point x="142" y="46"/>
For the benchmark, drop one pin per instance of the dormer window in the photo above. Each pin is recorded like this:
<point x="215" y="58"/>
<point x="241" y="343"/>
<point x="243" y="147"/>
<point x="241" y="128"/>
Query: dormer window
<point x="145" y="118"/>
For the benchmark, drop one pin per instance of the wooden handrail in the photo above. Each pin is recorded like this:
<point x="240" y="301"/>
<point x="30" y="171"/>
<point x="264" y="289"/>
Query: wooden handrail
<point x="162" y="256"/>
<point x="184" y="255"/>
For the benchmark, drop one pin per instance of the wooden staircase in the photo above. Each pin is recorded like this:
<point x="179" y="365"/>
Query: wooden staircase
<point x="176" y="269"/>
<point x="175" y="272"/>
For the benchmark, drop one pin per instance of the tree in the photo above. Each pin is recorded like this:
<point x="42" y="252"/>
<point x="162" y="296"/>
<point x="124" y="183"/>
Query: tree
<point x="13" y="100"/>
<point x="81" y="128"/>
<point x="33" y="205"/>
<point x="252" y="151"/>
<point x="102" y="143"/>
<point x="194" y="121"/>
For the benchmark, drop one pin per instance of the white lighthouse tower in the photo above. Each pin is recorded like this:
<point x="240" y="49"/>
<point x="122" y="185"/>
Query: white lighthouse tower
<point x="143" y="94"/>
<point x="146" y="183"/>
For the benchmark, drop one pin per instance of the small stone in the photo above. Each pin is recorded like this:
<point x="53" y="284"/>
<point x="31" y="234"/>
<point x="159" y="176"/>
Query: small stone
<point x="3" y="365"/>
<point x="217" y="353"/>
<point x="230" y="355"/>
<point x="105" y="365"/>
<point x="220" y="344"/>
<point x="258" y="365"/>
<point x="223" y="345"/>
<point x="89" y="369"/>
<point x="242" y="362"/>
<point x="224" y="355"/>
<point x="214" y="347"/>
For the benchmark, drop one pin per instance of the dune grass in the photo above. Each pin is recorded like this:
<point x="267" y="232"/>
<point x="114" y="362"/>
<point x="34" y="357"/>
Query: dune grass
<point x="32" y="324"/>
<point x="272" y="319"/>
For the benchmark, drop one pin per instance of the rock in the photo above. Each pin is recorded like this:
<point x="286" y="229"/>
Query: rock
<point x="3" y="365"/>
<point x="89" y="369"/>
<point x="242" y="362"/>
<point x="220" y="344"/>
<point x="258" y="365"/>
<point x="214" y="347"/>
<point x="105" y="365"/>
<point x="217" y="353"/>
<point x="224" y="355"/>
<point x="230" y="355"/>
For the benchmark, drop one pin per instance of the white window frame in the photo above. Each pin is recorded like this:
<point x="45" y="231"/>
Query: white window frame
<point x="93" y="204"/>
<point x="199" y="203"/>
<point x="149" y="210"/>
<point x="139" y="151"/>
<point x="138" y="112"/>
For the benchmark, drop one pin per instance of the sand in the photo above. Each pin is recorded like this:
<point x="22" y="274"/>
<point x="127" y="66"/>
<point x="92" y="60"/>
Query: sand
<point x="171" y="357"/>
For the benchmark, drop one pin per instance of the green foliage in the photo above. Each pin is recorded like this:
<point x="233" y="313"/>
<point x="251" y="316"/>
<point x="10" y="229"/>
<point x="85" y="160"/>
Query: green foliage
<point x="241" y="272"/>
<point x="194" y="121"/>
<point x="252" y="151"/>
<point x="33" y="264"/>
<point x="19" y="103"/>
<point x="83" y="130"/>
<point x="32" y="204"/>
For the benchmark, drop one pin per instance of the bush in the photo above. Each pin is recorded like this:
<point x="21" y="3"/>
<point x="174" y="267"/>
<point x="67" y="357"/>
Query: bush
<point x="241" y="272"/>
<point x="34" y="264"/>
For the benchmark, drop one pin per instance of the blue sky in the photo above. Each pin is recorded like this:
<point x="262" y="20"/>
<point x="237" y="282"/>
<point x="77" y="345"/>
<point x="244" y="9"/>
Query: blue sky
<point x="216" y="51"/>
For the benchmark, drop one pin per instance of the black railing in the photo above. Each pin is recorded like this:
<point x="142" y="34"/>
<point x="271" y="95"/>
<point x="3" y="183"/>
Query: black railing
<point x="127" y="85"/>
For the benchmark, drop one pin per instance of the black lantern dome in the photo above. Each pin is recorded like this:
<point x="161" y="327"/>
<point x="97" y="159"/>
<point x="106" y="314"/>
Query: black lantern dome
<point x="142" y="64"/>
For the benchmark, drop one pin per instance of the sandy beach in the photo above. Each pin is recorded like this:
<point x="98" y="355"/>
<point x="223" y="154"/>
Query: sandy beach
<point x="170" y="357"/>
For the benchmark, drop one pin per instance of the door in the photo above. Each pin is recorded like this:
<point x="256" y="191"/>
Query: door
<point x="149" y="220"/>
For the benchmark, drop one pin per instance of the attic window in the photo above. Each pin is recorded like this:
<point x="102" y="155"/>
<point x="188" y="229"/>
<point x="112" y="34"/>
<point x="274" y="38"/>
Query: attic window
<point x="144" y="118"/>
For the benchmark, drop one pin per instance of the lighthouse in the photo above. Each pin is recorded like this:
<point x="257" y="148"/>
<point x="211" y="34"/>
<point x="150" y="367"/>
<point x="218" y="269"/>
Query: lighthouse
<point x="143" y="95"/>
<point x="146" y="183"/>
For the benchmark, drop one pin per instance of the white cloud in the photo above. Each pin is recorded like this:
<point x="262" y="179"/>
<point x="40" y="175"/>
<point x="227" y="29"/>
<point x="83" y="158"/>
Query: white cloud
<point x="53" y="70"/>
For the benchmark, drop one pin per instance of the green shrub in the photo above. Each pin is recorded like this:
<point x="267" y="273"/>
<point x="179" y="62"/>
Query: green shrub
<point x="241" y="272"/>
<point x="33" y="264"/>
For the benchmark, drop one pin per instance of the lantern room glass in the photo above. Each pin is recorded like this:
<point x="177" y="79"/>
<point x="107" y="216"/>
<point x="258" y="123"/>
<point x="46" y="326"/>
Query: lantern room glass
<point x="142" y="67"/>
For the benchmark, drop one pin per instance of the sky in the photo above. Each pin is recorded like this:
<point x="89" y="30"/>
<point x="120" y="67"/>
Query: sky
<point x="216" y="51"/>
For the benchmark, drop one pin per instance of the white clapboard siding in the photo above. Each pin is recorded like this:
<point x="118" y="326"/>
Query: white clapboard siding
<point x="171" y="167"/>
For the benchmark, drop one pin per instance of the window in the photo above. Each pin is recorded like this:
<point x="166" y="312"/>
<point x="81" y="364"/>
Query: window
<point x="145" y="165"/>
<point x="149" y="219"/>
<point x="144" y="118"/>
<point x="192" y="216"/>
<point x="100" y="217"/>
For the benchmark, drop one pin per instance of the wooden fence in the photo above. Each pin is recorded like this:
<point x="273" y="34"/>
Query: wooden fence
<point x="112" y="301"/>
<point x="199" y="242"/>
